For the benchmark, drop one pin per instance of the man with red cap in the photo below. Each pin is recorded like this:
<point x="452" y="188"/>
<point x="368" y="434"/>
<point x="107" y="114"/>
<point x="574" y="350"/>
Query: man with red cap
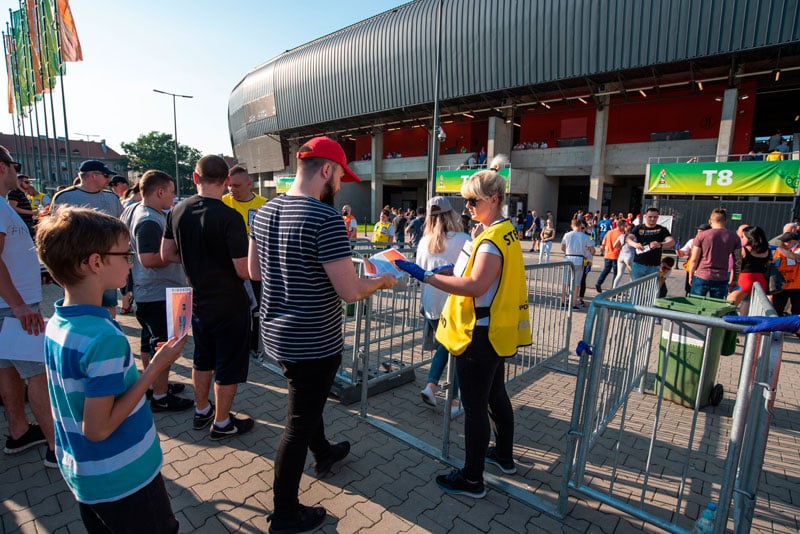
<point x="301" y="252"/>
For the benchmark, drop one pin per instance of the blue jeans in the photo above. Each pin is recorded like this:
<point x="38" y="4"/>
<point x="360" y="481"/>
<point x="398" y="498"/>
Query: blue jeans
<point x="608" y="266"/>
<point x="640" y="271"/>
<point x="439" y="362"/>
<point x="712" y="288"/>
<point x="482" y="372"/>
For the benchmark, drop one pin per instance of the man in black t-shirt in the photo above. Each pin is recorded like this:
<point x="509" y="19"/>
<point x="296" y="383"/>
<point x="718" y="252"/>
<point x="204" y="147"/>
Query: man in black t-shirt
<point x="209" y="239"/>
<point x="399" y="223"/>
<point x="647" y="240"/>
<point x="18" y="200"/>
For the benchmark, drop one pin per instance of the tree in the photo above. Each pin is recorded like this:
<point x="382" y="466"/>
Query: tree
<point x="156" y="150"/>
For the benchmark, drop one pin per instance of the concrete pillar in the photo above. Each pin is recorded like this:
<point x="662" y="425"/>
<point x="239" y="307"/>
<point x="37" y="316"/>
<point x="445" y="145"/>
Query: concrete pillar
<point x="294" y="146"/>
<point x="500" y="137"/>
<point x="376" y="186"/>
<point x="598" y="176"/>
<point x="727" y="123"/>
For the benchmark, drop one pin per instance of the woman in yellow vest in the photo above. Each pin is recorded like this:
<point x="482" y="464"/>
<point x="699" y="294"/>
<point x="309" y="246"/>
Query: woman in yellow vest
<point x="383" y="231"/>
<point x="483" y="322"/>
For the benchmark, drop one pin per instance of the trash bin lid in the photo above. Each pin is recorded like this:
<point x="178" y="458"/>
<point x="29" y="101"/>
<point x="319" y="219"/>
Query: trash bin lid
<point x="697" y="305"/>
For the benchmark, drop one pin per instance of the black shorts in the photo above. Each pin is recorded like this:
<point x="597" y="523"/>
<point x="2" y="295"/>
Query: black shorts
<point x="223" y="346"/>
<point x="153" y="318"/>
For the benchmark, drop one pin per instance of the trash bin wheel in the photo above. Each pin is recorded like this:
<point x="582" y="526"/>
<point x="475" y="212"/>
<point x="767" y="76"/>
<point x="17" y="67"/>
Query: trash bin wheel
<point x="716" y="395"/>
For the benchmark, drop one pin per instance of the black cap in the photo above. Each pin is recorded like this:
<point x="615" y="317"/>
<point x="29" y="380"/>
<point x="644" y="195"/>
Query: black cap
<point x="788" y="236"/>
<point x="94" y="165"/>
<point x="704" y="226"/>
<point x="119" y="180"/>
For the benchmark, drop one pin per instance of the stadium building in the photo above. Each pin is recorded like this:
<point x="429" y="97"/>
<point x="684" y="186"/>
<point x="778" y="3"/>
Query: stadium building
<point x="582" y="94"/>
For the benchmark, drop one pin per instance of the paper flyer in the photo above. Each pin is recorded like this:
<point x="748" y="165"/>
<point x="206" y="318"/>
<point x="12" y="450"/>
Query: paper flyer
<point x="383" y="262"/>
<point x="17" y="344"/>
<point x="179" y="311"/>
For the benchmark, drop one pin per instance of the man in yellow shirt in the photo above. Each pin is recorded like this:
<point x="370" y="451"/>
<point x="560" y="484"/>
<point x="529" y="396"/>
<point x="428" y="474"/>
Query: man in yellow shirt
<point x="242" y="198"/>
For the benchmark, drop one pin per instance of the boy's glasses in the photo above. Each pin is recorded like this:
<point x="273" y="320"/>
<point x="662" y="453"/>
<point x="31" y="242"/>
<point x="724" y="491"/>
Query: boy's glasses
<point x="128" y="256"/>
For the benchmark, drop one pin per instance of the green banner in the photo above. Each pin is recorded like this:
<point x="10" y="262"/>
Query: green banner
<point x="283" y="183"/>
<point x="451" y="181"/>
<point x="724" y="178"/>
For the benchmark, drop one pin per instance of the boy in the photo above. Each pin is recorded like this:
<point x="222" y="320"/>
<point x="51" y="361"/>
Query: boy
<point x="667" y="264"/>
<point x="106" y="443"/>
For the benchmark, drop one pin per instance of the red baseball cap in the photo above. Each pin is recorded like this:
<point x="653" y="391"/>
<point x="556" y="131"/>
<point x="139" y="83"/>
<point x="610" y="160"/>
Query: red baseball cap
<point x="327" y="148"/>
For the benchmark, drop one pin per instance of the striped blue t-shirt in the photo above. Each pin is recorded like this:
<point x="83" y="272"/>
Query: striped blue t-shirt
<point x="87" y="355"/>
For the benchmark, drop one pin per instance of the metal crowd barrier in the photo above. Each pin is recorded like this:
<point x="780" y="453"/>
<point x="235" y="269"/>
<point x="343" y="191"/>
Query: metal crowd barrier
<point x="549" y="291"/>
<point x="676" y="478"/>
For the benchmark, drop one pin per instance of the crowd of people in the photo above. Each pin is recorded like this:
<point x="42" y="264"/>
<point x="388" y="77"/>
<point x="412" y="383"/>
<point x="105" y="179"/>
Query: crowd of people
<point x="276" y="273"/>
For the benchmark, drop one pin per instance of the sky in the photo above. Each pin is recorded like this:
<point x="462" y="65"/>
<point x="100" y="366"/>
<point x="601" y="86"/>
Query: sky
<point x="201" y="48"/>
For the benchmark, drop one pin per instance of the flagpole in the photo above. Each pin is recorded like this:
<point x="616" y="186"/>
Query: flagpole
<point x="49" y="81"/>
<point x="32" y="95"/>
<point x="42" y="52"/>
<point x="10" y="72"/>
<point x="25" y="152"/>
<point x="57" y="19"/>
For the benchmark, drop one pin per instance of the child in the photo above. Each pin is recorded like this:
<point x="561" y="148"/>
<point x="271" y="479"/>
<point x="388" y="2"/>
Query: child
<point x="106" y="443"/>
<point x="667" y="263"/>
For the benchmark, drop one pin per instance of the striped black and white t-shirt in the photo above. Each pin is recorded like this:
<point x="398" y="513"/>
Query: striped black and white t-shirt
<point x="301" y="314"/>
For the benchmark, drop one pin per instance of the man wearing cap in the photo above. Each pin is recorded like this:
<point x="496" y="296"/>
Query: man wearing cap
<point x="91" y="192"/>
<point x="242" y="198"/>
<point x="209" y="239"/>
<point x="301" y="252"/>
<point x="119" y="186"/>
<point x="787" y="261"/>
<point x="20" y="295"/>
<point x="18" y="200"/>
<point x="709" y="272"/>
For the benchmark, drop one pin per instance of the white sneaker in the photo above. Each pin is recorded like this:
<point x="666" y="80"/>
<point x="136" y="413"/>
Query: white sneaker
<point x="455" y="411"/>
<point x="427" y="396"/>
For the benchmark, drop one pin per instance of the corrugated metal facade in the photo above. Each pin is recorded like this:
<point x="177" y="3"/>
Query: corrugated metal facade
<point x="387" y="62"/>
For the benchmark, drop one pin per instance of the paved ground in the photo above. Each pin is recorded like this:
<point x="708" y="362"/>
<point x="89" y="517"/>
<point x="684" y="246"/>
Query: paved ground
<point x="386" y="485"/>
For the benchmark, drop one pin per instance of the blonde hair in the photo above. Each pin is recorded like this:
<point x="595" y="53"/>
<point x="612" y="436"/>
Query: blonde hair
<point x="485" y="184"/>
<point x="438" y="226"/>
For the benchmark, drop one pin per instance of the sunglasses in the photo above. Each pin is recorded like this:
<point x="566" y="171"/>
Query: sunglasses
<point x="17" y="166"/>
<point x="128" y="256"/>
<point x="472" y="201"/>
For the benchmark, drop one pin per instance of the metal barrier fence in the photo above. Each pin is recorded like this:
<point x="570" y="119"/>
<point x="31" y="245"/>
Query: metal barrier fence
<point x="549" y="294"/>
<point x="604" y="459"/>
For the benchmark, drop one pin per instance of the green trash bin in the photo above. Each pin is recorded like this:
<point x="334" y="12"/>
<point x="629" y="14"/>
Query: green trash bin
<point x="686" y="351"/>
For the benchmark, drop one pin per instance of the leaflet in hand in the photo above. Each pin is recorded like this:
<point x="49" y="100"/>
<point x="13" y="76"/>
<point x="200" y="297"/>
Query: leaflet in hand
<point x="644" y="249"/>
<point x="383" y="262"/>
<point x="179" y="311"/>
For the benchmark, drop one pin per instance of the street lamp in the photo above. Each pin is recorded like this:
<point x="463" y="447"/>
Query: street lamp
<point x="175" y="121"/>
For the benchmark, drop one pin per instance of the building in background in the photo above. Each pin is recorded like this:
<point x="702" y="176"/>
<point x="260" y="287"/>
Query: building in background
<point x="582" y="95"/>
<point x="38" y="158"/>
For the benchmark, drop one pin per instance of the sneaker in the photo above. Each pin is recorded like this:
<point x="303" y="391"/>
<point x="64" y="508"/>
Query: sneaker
<point x="172" y="389"/>
<point x="50" y="459"/>
<point x="506" y="466"/>
<point x="455" y="484"/>
<point x="427" y="396"/>
<point x="170" y="403"/>
<point x="323" y="465"/>
<point x="33" y="436"/>
<point x="308" y="518"/>
<point x="201" y="421"/>
<point x="456" y="410"/>
<point x="233" y="428"/>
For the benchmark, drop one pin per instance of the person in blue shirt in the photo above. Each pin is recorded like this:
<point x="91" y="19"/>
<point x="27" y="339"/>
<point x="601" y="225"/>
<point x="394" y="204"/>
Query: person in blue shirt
<point x="107" y="446"/>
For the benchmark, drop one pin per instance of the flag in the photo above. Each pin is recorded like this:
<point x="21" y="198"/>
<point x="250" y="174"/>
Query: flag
<point x="21" y="60"/>
<point x="51" y="61"/>
<point x="32" y="26"/>
<point x="9" y="71"/>
<point x="70" y="44"/>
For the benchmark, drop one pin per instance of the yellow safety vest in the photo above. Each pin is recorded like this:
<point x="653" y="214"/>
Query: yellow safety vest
<point x="509" y="319"/>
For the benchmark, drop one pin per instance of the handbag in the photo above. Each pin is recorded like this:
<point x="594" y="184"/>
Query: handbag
<point x="775" y="279"/>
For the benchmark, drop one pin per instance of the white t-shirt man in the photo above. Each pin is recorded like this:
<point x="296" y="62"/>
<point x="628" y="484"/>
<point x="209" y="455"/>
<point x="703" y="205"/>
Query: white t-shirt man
<point x="19" y="255"/>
